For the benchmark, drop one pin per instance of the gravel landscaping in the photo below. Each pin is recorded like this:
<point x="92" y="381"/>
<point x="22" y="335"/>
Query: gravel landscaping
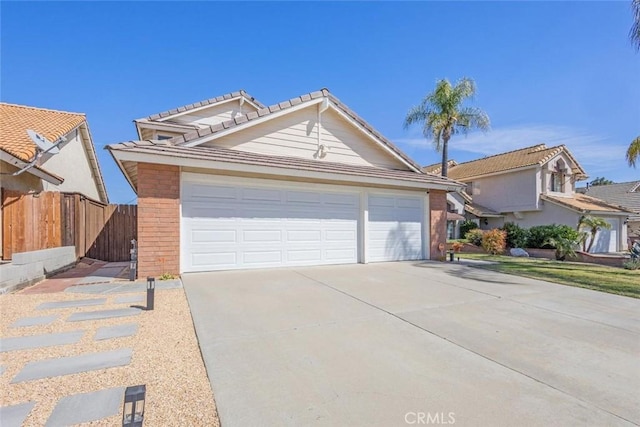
<point x="166" y="358"/>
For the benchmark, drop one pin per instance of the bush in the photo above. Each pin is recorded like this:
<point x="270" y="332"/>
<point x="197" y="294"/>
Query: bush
<point x="632" y="264"/>
<point x="474" y="236"/>
<point x="516" y="235"/>
<point x="540" y="236"/>
<point x="494" y="241"/>
<point x="467" y="226"/>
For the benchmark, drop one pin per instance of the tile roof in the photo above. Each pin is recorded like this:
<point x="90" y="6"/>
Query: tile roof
<point x="481" y="211"/>
<point x="206" y="102"/>
<point x="436" y="168"/>
<point x="16" y="119"/>
<point x="528" y="156"/>
<point x="281" y="106"/>
<point x="585" y="204"/>
<point x="626" y="194"/>
<point x="220" y="154"/>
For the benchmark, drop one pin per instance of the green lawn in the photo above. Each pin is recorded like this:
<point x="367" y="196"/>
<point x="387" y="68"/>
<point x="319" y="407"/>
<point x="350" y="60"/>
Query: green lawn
<point x="606" y="279"/>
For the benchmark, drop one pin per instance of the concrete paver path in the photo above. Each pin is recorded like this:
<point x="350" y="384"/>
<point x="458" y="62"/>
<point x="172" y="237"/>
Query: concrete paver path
<point x="381" y="344"/>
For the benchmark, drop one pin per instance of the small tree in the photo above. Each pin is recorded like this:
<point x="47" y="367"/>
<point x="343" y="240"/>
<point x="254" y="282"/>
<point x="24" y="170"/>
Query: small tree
<point x="516" y="235"/>
<point x="601" y="180"/>
<point x="466" y="226"/>
<point x="494" y="241"/>
<point x="564" y="247"/>
<point x="589" y="226"/>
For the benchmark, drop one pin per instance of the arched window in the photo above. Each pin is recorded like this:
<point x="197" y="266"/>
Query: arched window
<point x="558" y="177"/>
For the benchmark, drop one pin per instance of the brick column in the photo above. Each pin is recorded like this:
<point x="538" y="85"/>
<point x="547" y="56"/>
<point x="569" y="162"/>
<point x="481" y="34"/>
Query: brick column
<point x="158" y="220"/>
<point x="438" y="219"/>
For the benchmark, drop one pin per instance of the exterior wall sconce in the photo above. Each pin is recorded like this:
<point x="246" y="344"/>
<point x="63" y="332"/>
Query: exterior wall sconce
<point x="151" y="289"/>
<point x="133" y="411"/>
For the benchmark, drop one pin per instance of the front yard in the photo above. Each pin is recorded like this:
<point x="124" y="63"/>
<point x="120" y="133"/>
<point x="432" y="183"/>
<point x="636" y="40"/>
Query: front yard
<point x="590" y="276"/>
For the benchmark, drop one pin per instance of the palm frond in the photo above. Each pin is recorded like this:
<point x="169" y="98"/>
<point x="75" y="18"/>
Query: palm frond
<point x="634" y="33"/>
<point x="633" y="153"/>
<point x="473" y="118"/>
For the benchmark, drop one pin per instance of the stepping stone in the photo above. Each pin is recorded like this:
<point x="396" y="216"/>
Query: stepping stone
<point x="103" y="314"/>
<point x="34" y="321"/>
<point x="14" y="415"/>
<point x="118" y="331"/>
<point x="39" y="341"/>
<point x="86" y="407"/>
<point x="70" y="304"/>
<point x="130" y="298"/>
<point x="2" y="369"/>
<point x="73" y="365"/>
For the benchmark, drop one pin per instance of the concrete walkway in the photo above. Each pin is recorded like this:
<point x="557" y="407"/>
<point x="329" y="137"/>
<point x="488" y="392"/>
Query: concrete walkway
<point x="393" y="343"/>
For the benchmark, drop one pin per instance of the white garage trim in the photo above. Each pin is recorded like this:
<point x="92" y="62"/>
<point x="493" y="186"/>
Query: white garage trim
<point x="236" y="206"/>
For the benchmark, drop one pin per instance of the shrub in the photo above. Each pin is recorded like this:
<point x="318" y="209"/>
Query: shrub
<point x="632" y="264"/>
<point x="540" y="236"/>
<point x="494" y="241"/>
<point x="474" y="236"/>
<point x="516" y="235"/>
<point x="466" y="226"/>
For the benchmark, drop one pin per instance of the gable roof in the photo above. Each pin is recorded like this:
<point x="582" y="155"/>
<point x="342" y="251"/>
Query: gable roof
<point x="16" y="119"/>
<point x="211" y="101"/>
<point x="626" y="194"/>
<point x="52" y="124"/>
<point x="536" y="155"/>
<point x="331" y="171"/>
<point x="244" y="120"/>
<point x="585" y="204"/>
<point x="436" y="168"/>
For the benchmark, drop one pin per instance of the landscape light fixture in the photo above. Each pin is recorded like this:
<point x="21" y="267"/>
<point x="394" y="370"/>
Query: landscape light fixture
<point x="151" y="289"/>
<point x="133" y="411"/>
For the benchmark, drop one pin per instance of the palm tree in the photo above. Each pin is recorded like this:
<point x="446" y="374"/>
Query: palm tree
<point x="592" y="224"/>
<point x="601" y="180"/>
<point x="442" y="115"/>
<point x="634" y="33"/>
<point x="633" y="153"/>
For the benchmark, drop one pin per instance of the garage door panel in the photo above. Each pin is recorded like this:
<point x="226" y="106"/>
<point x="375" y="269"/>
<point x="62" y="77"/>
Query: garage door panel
<point x="395" y="228"/>
<point x="252" y="227"/>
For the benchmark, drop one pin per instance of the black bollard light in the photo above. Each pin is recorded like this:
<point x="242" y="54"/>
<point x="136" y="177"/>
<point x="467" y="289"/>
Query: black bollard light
<point x="451" y="256"/>
<point x="133" y="410"/>
<point x="151" y="288"/>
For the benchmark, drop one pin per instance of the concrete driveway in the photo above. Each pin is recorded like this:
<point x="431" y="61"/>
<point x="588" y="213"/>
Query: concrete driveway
<point x="413" y="344"/>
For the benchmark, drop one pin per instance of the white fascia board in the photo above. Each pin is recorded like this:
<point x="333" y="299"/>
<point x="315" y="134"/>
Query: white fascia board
<point x="148" y="124"/>
<point x="124" y="171"/>
<point x="252" y="123"/>
<point x="124" y="155"/>
<point x="14" y="161"/>
<point x="586" y="211"/>
<point x="373" y="137"/>
<point x="203" y="107"/>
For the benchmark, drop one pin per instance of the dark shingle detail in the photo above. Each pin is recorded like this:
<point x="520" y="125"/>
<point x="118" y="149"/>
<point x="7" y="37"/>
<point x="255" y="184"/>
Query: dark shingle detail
<point x="209" y="101"/>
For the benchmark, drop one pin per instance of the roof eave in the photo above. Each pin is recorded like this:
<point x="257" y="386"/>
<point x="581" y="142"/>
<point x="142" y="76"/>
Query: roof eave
<point x="33" y="170"/>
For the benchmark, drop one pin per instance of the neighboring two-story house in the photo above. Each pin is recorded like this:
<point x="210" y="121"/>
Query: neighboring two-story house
<point x="228" y="183"/>
<point x="534" y="186"/>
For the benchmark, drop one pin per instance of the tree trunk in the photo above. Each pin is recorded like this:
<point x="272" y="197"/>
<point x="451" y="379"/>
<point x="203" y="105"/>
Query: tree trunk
<point x="445" y="154"/>
<point x="593" y="239"/>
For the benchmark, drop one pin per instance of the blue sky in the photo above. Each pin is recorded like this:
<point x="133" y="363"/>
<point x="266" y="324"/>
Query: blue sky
<point x="552" y="72"/>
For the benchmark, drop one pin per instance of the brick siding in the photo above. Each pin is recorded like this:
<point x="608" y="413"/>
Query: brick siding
<point x="438" y="218"/>
<point x="158" y="220"/>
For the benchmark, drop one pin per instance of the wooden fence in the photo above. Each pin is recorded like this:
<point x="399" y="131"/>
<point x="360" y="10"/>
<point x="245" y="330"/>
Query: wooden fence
<point x="51" y="219"/>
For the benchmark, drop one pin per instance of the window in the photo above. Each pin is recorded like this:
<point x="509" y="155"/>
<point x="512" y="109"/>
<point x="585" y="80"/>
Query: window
<point x="451" y="230"/>
<point x="161" y="137"/>
<point x="470" y="187"/>
<point x="557" y="179"/>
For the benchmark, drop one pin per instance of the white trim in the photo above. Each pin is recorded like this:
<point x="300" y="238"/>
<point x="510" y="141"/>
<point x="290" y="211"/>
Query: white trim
<point x="124" y="155"/>
<point x="251" y="123"/>
<point x="204" y="107"/>
<point x="14" y="161"/>
<point x="363" y="227"/>
<point x="426" y="231"/>
<point x="169" y="127"/>
<point x="374" y="138"/>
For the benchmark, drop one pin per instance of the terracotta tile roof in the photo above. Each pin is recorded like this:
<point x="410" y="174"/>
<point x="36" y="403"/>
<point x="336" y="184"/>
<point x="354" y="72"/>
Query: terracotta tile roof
<point x="529" y="156"/>
<point x="626" y="194"/>
<point x="209" y="101"/>
<point x="436" y="168"/>
<point x="481" y="211"/>
<point x="16" y="119"/>
<point x="585" y="204"/>
<point x="220" y="154"/>
<point x="245" y="118"/>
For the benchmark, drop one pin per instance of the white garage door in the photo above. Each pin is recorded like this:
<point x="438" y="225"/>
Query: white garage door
<point x="395" y="228"/>
<point x="607" y="240"/>
<point x="253" y="225"/>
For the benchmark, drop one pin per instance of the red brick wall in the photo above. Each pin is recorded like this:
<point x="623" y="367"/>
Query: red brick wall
<point x="158" y="220"/>
<point x="438" y="207"/>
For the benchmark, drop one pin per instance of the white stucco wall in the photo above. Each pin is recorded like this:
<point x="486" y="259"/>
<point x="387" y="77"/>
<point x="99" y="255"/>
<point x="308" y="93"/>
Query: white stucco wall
<point x="516" y="191"/>
<point x="72" y="163"/>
